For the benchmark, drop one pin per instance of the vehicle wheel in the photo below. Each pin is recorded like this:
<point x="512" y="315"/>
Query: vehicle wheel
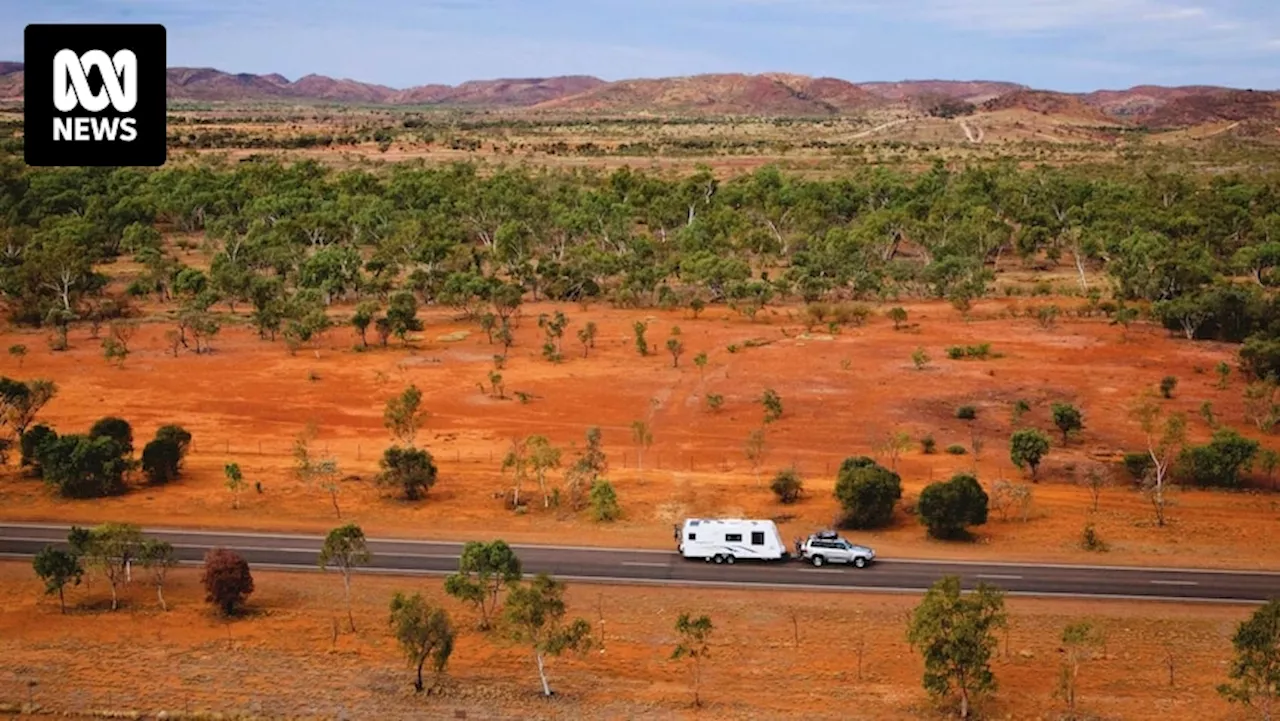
<point x="728" y="559"/>
<point x="818" y="561"/>
<point x="718" y="558"/>
<point x="860" y="562"/>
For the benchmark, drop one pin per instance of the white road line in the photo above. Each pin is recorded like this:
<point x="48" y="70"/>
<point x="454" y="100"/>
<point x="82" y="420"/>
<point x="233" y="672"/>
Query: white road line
<point x="1076" y="566"/>
<point x="645" y="563"/>
<point x="999" y="577"/>
<point x="267" y="549"/>
<point x="1175" y="583"/>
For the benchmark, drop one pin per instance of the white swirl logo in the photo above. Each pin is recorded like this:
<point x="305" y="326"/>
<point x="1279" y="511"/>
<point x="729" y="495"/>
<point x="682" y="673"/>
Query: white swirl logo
<point x="119" y="81"/>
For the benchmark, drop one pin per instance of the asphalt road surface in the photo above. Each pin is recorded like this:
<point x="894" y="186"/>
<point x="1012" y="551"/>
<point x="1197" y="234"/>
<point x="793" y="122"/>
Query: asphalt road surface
<point x="614" y="565"/>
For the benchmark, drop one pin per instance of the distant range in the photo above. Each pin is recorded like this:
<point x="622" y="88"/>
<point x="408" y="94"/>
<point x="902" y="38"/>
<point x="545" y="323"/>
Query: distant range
<point x="768" y="94"/>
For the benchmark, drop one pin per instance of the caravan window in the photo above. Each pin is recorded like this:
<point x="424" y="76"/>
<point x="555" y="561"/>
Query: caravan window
<point x="693" y="536"/>
<point x="757" y="538"/>
<point x="733" y="538"/>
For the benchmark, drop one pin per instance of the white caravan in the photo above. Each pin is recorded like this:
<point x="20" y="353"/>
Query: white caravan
<point x="725" y="540"/>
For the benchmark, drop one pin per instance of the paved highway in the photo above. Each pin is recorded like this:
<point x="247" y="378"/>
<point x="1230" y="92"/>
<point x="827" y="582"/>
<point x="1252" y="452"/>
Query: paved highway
<point x="613" y="565"/>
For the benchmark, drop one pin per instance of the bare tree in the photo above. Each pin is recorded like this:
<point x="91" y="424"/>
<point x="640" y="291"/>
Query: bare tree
<point x="643" y="437"/>
<point x="1166" y="435"/>
<point x="1095" y="477"/>
<point x="1006" y="496"/>
<point x="755" y="450"/>
<point x="323" y="472"/>
<point x="893" y="444"/>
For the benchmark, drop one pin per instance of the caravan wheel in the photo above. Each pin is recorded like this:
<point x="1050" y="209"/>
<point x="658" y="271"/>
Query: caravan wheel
<point x="728" y="559"/>
<point x="718" y="558"/>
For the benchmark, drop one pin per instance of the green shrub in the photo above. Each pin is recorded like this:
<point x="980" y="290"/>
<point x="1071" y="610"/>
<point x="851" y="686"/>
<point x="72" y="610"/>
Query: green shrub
<point x="1090" y="540"/>
<point x="948" y="508"/>
<point x="1219" y="462"/>
<point x="1137" y="464"/>
<point x="867" y="492"/>
<point x="956" y="449"/>
<point x="1027" y="447"/>
<point x="977" y="352"/>
<point x="604" y="501"/>
<point x="966" y="413"/>
<point x="787" y="485"/>
<point x="161" y="461"/>
<point x="82" y="467"/>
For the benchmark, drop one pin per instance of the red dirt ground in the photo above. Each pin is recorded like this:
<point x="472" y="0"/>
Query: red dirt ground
<point x="774" y="655"/>
<point x="246" y="401"/>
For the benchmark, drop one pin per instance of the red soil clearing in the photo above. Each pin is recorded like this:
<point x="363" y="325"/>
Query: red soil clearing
<point x="246" y="401"/>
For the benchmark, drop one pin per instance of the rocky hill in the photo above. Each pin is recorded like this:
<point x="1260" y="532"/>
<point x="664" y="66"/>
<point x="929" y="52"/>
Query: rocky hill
<point x="721" y="94"/>
<point x="1044" y="102"/>
<point x="930" y="92"/>
<point x="731" y="94"/>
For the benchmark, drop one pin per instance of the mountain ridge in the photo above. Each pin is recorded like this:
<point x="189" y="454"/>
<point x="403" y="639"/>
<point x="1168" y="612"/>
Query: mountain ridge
<point x="726" y="94"/>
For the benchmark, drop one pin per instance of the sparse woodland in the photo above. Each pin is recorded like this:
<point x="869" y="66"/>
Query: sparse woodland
<point x="296" y="249"/>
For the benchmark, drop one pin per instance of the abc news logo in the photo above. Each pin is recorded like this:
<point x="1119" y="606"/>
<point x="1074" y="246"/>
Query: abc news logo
<point x="95" y="95"/>
<point x="71" y="91"/>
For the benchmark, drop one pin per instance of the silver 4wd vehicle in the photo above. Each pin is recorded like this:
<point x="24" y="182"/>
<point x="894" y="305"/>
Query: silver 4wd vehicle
<point x="828" y="547"/>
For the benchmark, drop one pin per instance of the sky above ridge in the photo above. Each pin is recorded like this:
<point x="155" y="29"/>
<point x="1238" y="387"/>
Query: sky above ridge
<point x="1070" y="45"/>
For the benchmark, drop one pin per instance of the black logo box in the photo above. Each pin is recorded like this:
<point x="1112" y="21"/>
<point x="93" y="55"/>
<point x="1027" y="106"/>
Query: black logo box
<point x="148" y="43"/>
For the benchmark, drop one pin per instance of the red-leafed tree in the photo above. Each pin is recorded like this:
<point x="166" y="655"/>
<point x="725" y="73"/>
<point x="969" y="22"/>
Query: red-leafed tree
<point x="227" y="581"/>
